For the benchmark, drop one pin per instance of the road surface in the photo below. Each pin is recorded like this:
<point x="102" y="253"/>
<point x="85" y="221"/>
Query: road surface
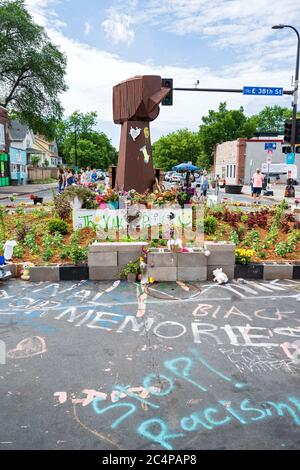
<point x="107" y="365"/>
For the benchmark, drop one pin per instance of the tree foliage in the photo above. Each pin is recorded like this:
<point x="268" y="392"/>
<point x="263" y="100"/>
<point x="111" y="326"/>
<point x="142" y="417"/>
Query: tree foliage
<point x="177" y="147"/>
<point x="272" y="118"/>
<point x="32" y="69"/>
<point x="94" y="149"/>
<point x="222" y="126"/>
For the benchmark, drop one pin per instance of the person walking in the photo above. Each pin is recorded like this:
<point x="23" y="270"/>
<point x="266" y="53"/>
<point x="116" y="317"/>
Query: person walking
<point x="204" y="187"/>
<point x="258" y="180"/>
<point x="94" y="176"/>
<point x="61" y="180"/>
<point x="83" y="179"/>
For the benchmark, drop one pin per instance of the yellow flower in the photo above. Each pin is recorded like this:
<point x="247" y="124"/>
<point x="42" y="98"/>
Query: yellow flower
<point x="141" y="259"/>
<point x="151" y="280"/>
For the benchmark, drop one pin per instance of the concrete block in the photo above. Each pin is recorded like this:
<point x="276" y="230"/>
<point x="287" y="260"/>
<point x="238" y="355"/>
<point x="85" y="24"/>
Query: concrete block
<point x="249" y="271"/>
<point x="163" y="260"/>
<point x="10" y="267"/>
<point x="278" y="271"/>
<point x="117" y="246"/>
<point x="103" y="259"/>
<point x="161" y="274"/>
<point x="221" y="258"/>
<point x="103" y="248"/>
<point x="192" y="274"/>
<point x="127" y="257"/>
<point x="220" y="247"/>
<point x="103" y="273"/>
<point x="228" y="269"/>
<point x="193" y="260"/>
<point x="44" y="273"/>
<point x="132" y="246"/>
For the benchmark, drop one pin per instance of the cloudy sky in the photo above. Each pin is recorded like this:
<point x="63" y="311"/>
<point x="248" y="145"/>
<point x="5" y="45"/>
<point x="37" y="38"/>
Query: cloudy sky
<point x="221" y="43"/>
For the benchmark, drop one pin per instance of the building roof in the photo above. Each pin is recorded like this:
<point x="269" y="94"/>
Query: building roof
<point x="17" y="130"/>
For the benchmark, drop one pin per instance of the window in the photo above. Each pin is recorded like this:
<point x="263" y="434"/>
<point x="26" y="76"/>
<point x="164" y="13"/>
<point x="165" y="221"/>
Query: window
<point x="2" y="134"/>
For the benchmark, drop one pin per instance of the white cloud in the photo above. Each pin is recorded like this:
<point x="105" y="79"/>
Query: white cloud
<point x="118" y="27"/>
<point x="87" y="28"/>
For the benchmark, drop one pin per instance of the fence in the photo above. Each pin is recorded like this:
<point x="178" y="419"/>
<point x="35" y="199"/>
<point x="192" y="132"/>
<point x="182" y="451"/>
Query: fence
<point x="41" y="173"/>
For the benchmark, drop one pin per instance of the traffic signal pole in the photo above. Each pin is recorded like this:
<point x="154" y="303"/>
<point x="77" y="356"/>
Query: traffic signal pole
<point x="225" y="90"/>
<point x="295" y="94"/>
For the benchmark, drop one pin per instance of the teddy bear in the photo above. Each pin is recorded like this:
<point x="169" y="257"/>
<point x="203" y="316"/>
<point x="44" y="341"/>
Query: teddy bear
<point x="26" y="271"/>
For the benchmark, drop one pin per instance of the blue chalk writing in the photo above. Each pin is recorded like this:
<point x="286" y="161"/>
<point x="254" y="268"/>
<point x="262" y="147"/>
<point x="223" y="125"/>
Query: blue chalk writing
<point x="117" y="422"/>
<point x="162" y="437"/>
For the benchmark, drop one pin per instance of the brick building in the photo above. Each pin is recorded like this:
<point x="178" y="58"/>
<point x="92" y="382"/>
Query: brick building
<point x="237" y="160"/>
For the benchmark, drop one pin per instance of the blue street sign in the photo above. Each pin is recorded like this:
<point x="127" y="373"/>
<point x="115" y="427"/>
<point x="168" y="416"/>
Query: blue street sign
<point x="270" y="146"/>
<point x="290" y="158"/>
<point x="262" y="91"/>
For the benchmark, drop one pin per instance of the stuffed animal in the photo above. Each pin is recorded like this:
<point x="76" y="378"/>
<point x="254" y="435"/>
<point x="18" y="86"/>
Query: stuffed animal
<point x="220" y="277"/>
<point x="26" y="271"/>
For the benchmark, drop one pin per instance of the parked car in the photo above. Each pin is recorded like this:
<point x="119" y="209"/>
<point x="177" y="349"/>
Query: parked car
<point x="168" y="175"/>
<point x="100" y="175"/>
<point x="176" y="178"/>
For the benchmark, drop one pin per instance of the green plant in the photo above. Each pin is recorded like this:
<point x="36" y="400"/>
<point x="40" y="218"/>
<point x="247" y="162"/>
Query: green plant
<point x="65" y="252"/>
<point x="20" y="211"/>
<point x="34" y="250"/>
<point x="48" y="240"/>
<point x="78" y="254"/>
<point x="251" y="238"/>
<point x="244" y="219"/>
<point x="48" y="253"/>
<point x="272" y="237"/>
<point x="131" y="268"/>
<point x="210" y="224"/>
<point x="58" y="240"/>
<point x="282" y="249"/>
<point x="58" y="225"/>
<point x="233" y="237"/>
<point x="18" y="252"/>
<point x="75" y="237"/>
<point x="30" y="239"/>
<point x="39" y="213"/>
<point x="262" y="254"/>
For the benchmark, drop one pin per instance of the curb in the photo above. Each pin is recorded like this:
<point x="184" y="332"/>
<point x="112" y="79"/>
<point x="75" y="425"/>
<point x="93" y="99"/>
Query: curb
<point x="263" y="271"/>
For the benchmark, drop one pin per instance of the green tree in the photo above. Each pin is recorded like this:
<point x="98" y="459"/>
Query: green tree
<point x="93" y="147"/>
<point x="35" y="160"/>
<point x="177" y="147"/>
<point x="32" y="69"/>
<point x="221" y="126"/>
<point x="272" y="118"/>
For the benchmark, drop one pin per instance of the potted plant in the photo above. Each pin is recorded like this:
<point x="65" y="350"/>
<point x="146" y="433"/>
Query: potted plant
<point x="111" y="197"/>
<point x="131" y="271"/>
<point x="183" y="198"/>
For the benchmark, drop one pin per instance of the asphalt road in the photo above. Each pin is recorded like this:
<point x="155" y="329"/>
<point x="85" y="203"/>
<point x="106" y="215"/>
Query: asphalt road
<point x="47" y="195"/>
<point x="110" y="366"/>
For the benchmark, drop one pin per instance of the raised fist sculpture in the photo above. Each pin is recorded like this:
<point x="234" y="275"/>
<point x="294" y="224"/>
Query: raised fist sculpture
<point x="135" y="104"/>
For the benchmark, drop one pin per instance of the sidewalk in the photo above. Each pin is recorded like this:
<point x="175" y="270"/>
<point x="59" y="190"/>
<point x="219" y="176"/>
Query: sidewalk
<point x="278" y="191"/>
<point x="6" y="191"/>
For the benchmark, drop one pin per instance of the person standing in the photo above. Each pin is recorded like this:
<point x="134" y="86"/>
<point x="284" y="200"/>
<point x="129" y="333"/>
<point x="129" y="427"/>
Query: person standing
<point x="70" y="178"/>
<point x="258" y="180"/>
<point x="88" y="174"/>
<point x="94" y="176"/>
<point x="204" y="186"/>
<point x="83" y="179"/>
<point x="61" y="180"/>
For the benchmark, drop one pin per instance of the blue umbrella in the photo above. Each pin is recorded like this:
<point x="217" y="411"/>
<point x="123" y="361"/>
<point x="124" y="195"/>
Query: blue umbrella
<point x="185" y="167"/>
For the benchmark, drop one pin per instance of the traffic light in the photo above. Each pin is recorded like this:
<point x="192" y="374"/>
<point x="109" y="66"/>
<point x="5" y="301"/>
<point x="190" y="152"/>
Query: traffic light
<point x="286" y="149"/>
<point x="297" y="140"/>
<point x="167" y="83"/>
<point x="287" y="131"/>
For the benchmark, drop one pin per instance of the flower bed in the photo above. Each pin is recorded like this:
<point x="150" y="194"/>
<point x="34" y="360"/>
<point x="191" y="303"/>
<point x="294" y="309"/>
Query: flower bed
<point x="269" y="234"/>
